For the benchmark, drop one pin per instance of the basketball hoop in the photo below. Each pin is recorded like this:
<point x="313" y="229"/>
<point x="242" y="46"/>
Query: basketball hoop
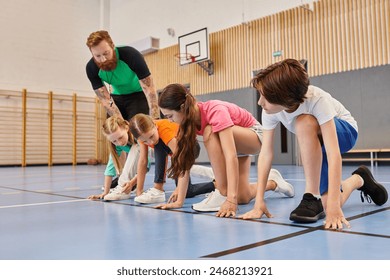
<point x="184" y="58"/>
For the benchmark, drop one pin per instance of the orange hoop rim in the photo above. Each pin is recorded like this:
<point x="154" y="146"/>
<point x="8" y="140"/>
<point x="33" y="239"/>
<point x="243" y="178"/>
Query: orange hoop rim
<point x="185" y="57"/>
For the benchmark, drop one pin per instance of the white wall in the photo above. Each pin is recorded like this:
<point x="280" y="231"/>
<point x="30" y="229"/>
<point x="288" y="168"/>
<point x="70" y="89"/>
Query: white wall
<point x="43" y="41"/>
<point x="136" y="19"/>
<point x="43" y="44"/>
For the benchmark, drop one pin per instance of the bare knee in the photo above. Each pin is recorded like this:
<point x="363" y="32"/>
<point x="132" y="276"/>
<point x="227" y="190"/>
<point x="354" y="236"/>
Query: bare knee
<point x="306" y="124"/>
<point x="244" y="199"/>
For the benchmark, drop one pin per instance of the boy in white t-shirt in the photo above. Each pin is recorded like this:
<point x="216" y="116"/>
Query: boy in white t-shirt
<point x="325" y="129"/>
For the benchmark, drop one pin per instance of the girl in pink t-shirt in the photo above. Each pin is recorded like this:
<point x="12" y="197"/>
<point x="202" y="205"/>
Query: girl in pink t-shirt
<point x="231" y="134"/>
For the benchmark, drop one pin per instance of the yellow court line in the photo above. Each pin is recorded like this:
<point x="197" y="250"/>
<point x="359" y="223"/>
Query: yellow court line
<point x="72" y="188"/>
<point x="10" y="193"/>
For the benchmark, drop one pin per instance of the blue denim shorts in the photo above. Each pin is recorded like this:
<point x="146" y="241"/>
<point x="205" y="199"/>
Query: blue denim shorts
<point x="347" y="137"/>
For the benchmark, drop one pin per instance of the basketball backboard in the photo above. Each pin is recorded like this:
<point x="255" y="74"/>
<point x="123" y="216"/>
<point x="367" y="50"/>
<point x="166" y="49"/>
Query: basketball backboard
<point x="194" y="47"/>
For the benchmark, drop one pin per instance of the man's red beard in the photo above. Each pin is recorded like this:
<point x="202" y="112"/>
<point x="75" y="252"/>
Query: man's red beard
<point x="109" y="64"/>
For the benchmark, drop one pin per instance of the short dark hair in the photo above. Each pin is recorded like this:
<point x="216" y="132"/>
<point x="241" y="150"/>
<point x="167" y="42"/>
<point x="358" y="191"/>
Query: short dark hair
<point x="284" y="83"/>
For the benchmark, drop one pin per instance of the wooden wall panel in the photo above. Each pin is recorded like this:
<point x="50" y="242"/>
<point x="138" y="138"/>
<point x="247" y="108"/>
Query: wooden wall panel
<point x="11" y="131"/>
<point x="46" y="128"/>
<point x="336" y="36"/>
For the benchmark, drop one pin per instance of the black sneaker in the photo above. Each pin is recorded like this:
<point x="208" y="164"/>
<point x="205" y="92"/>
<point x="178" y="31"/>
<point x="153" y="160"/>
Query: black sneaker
<point x="310" y="210"/>
<point x="371" y="189"/>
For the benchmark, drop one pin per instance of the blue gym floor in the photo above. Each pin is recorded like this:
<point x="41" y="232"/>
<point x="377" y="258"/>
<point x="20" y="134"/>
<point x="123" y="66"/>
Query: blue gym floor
<point x="45" y="216"/>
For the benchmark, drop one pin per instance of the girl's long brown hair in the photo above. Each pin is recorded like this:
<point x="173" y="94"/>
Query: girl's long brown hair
<point x="111" y="125"/>
<point x="177" y="98"/>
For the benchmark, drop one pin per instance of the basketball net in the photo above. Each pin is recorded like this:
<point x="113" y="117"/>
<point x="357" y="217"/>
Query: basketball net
<point x="184" y="58"/>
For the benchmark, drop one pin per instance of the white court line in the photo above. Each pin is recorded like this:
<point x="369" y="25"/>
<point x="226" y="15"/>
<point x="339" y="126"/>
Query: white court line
<point x="303" y="180"/>
<point x="43" y="203"/>
<point x="297" y="180"/>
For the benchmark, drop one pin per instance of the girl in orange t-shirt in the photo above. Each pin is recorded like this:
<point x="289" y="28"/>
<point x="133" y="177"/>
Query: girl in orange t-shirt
<point x="161" y="136"/>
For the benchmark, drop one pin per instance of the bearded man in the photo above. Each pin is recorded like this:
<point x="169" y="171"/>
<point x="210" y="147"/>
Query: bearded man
<point x="129" y="87"/>
<point x="122" y="81"/>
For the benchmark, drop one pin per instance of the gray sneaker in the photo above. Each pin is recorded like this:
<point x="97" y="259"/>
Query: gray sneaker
<point x="212" y="202"/>
<point x="282" y="186"/>
<point x="117" y="194"/>
<point x="152" y="195"/>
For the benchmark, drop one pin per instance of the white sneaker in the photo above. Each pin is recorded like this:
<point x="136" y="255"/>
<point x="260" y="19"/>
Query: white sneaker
<point x="152" y="195"/>
<point x="211" y="203"/>
<point x="282" y="186"/>
<point x="202" y="171"/>
<point x="117" y="194"/>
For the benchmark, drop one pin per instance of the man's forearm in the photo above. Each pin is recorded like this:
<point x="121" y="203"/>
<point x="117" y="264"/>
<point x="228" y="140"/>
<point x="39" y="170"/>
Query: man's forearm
<point x="151" y="95"/>
<point x="107" y="101"/>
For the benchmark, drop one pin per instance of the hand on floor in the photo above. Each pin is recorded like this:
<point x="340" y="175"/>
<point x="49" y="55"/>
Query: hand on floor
<point x="257" y="212"/>
<point x="228" y="209"/>
<point x="172" y="205"/>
